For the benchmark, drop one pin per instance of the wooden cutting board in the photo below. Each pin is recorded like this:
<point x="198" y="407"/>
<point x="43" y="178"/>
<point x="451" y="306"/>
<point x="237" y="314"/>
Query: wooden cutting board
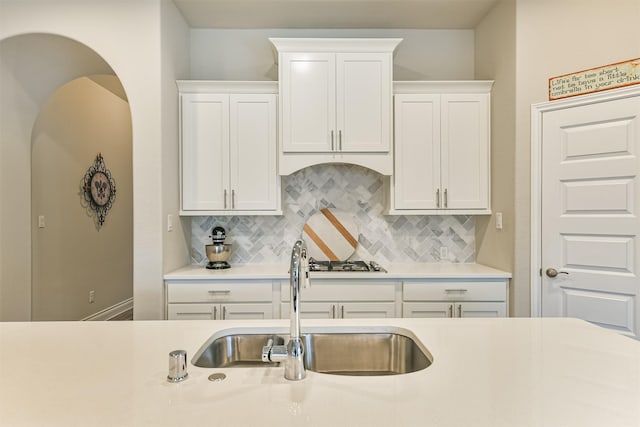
<point x="331" y="235"/>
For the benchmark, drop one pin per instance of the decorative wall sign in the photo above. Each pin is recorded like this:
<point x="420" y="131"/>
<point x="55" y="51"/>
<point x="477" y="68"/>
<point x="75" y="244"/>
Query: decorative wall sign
<point x="99" y="190"/>
<point x="597" y="79"/>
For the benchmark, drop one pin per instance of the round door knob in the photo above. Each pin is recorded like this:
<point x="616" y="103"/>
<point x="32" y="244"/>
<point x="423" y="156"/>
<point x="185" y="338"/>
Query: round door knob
<point x="552" y="272"/>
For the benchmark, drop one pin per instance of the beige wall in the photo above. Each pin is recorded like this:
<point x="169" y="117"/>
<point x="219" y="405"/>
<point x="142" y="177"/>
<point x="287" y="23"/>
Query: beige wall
<point x="175" y="66"/>
<point x="127" y="34"/>
<point x="496" y="60"/>
<point x="248" y="54"/>
<point x="556" y="37"/>
<point x="30" y="70"/>
<point x="70" y="255"/>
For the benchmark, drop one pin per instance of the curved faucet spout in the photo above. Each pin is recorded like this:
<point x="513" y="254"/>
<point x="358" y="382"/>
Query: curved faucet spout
<point x="298" y="276"/>
<point x="293" y="356"/>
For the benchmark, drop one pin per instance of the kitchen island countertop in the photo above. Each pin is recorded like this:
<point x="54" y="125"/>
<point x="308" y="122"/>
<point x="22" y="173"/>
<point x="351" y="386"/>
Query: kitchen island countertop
<point x="486" y="372"/>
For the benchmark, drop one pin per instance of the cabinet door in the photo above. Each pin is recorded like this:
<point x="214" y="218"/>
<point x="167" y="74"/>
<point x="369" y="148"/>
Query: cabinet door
<point x="253" y="151"/>
<point x="364" y="310"/>
<point x="192" y="311"/>
<point x="465" y="151"/>
<point x="363" y="95"/>
<point x="312" y="310"/>
<point x="204" y="151"/>
<point x="308" y="99"/>
<point x="481" y="309"/>
<point x="417" y="151"/>
<point x="246" y="311"/>
<point x="427" y="309"/>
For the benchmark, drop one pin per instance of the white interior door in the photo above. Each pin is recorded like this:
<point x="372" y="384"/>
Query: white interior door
<point x="589" y="206"/>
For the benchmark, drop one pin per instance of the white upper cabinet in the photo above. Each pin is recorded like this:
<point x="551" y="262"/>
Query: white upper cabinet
<point x="336" y="102"/>
<point x="309" y="102"/>
<point x="228" y="149"/>
<point x="442" y="148"/>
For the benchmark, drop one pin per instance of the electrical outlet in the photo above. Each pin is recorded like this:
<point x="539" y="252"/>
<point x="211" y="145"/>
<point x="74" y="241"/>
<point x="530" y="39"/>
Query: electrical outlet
<point x="444" y="253"/>
<point x="92" y="297"/>
<point x="498" y="220"/>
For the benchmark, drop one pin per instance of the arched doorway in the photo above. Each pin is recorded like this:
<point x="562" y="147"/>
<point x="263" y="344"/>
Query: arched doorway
<point x="34" y="72"/>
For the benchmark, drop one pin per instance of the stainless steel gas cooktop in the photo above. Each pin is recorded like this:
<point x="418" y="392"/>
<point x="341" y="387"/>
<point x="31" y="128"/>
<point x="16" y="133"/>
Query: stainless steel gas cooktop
<point x="339" y="266"/>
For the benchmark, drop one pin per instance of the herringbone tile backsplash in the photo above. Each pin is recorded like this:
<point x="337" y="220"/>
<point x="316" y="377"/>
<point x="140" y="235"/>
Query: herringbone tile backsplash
<point x="383" y="238"/>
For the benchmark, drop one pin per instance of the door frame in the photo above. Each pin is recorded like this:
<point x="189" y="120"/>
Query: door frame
<point x="537" y="112"/>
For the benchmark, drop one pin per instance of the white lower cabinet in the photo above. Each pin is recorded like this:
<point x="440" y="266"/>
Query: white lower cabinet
<point x="229" y="311"/>
<point x="342" y="310"/>
<point x="455" y="298"/>
<point x="219" y="300"/>
<point x="344" y="299"/>
<point x="454" y="309"/>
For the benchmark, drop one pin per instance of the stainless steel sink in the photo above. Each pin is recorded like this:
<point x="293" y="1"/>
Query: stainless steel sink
<point x="339" y="351"/>
<point x="235" y="349"/>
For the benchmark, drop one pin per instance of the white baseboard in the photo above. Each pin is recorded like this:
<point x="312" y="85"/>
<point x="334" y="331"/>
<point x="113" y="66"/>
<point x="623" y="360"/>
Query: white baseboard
<point x="111" y="312"/>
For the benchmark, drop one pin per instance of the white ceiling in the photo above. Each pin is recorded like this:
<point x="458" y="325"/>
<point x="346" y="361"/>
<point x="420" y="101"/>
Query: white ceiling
<point x="414" y="14"/>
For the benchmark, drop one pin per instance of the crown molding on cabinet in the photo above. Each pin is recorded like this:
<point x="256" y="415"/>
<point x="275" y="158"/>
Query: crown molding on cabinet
<point x="443" y="86"/>
<point x="339" y="45"/>
<point x="230" y="86"/>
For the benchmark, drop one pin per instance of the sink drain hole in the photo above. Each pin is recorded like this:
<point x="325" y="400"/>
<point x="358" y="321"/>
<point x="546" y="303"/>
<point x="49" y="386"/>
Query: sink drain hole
<point x="217" y="377"/>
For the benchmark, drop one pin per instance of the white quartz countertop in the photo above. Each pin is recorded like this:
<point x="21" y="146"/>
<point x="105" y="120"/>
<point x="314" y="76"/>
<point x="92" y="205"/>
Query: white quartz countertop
<point x="486" y="372"/>
<point x="394" y="271"/>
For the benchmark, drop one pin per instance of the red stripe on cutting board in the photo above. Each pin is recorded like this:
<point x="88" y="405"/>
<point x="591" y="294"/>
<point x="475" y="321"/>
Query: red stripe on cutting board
<point x="338" y="225"/>
<point x="320" y="243"/>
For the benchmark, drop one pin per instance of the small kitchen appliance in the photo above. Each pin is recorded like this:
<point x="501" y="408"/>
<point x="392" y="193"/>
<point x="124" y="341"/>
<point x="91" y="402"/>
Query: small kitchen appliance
<point x="218" y="252"/>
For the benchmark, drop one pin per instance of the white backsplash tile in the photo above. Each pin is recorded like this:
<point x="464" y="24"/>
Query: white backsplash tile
<point x="406" y="238"/>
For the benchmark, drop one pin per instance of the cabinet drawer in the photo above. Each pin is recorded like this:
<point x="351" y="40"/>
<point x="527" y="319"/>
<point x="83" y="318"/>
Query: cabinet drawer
<point x="455" y="290"/>
<point x="215" y="311"/>
<point x="342" y="290"/>
<point x="347" y="310"/>
<point x="227" y="291"/>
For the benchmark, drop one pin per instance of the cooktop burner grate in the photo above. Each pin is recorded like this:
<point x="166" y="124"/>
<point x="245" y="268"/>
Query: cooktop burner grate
<point x="358" y="266"/>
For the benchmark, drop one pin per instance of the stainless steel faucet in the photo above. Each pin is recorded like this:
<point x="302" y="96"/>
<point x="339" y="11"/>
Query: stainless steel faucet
<point x="293" y="354"/>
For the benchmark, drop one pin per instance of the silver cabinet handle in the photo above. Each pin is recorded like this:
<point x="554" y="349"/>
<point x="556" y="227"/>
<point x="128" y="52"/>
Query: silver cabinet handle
<point x="215" y="312"/>
<point x="191" y="313"/>
<point x="459" y="310"/>
<point x="450" y="310"/>
<point x="552" y="272"/>
<point x="332" y="146"/>
<point x="225" y="198"/>
<point x="333" y="311"/>
<point x="446" y="199"/>
<point x="438" y="198"/>
<point x="233" y="199"/>
<point x="342" y="311"/>
<point x="340" y="140"/>
<point x="456" y="291"/>
<point x="225" y="292"/>
<point x="224" y="312"/>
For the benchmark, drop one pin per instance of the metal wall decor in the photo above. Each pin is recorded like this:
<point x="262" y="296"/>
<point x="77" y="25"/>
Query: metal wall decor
<point x="99" y="190"/>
